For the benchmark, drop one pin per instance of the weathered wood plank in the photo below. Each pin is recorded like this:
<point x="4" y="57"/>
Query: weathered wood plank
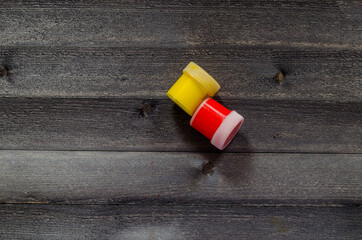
<point x="243" y="72"/>
<point x="159" y="125"/>
<point x="129" y="177"/>
<point x="181" y="23"/>
<point x="177" y="222"/>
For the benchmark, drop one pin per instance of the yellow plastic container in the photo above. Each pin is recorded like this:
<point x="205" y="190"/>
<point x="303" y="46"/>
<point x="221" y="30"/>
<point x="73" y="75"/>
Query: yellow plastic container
<point x="192" y="88"/>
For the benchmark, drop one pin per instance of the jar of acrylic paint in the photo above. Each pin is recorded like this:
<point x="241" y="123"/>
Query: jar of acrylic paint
<point x="216" y="122"/>
<point x="193" y="87"/>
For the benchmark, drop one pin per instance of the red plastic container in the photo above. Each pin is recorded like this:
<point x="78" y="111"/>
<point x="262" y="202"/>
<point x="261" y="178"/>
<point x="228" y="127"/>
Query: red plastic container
<point x="216" y="122"/>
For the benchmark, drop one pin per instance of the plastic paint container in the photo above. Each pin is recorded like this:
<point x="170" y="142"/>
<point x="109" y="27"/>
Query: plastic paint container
<point x="193" y="87"/>
<point x="216" y="122"/>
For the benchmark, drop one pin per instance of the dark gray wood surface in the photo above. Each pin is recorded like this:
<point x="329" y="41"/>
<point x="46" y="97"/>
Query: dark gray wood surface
<point x="122" y="124"/>
<point x="91" y="147"/>
<point x="244" y="72"/>
<point x="178" y="222"/>
<point x="113" y="177"/>
<point x="333" y="24"/>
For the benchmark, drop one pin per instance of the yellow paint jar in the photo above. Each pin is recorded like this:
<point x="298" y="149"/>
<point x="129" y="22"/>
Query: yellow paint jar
<point x="192" y="88"/>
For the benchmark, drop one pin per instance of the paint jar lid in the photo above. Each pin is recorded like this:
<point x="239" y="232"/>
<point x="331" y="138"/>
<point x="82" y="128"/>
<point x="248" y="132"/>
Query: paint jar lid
<point x="202" y="77"/>
<point x="227" y="130"/>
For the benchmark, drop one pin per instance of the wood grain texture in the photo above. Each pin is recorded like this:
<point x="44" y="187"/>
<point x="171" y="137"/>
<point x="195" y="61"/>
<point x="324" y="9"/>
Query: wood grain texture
<point x="92" y="75"/>
<point x="177" y="222"/>
<point x="122" y="124"/>
<point x="130" y="177"/>
<point x="247" y="72"/>
<point x="181" y="23"/>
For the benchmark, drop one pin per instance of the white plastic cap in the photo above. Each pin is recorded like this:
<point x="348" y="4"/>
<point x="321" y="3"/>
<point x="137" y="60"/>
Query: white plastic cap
<point x="227" y="130"/>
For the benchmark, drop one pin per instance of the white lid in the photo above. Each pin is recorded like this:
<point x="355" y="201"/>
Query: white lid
<point x="227" y="130"/>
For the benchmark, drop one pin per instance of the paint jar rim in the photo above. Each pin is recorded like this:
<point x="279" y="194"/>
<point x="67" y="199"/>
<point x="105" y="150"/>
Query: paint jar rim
<point x="227" y="130"/>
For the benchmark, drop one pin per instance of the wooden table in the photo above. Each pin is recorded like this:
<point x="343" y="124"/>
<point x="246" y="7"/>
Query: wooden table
<point x="92" y="148"/>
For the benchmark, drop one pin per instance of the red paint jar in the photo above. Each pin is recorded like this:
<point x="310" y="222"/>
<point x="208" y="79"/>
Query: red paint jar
<point x="216" y="122"/>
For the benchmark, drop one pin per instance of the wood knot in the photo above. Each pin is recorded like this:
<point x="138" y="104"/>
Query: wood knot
<point x="280" y="76"/>
<point x="276" y="136"/>
<point x="146" y="109"/>
<point x="4" y="71"/>
<point x="208" y="168"/>
<point x="279" y="224"/>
